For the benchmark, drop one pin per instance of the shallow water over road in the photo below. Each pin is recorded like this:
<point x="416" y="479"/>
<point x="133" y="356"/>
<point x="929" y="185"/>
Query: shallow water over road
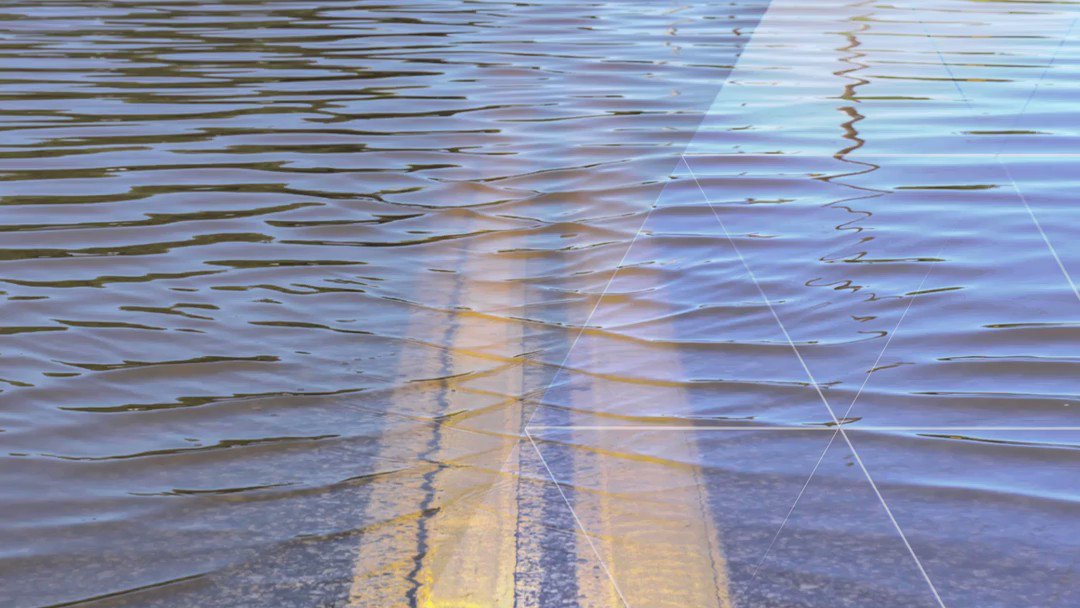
<point x="539" y="304"/>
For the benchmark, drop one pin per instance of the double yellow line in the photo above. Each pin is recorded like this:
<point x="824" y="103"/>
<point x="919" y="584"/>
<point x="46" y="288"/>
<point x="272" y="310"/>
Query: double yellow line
<point x="446" y="533"/>
<point x="647" y="516"/>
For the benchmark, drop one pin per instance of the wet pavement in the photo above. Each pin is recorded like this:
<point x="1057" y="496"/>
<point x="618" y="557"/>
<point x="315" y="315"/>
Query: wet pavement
<point x="462" y="304"/>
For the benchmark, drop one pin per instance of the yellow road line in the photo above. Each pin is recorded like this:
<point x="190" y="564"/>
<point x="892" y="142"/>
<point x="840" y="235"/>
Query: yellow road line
<point x="448" y="533"/>
<point x="454" y="545"/>
<point x="647" y="518"/>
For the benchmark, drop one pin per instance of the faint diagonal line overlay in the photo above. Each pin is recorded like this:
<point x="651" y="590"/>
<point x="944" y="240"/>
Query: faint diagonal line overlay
<point x="838" y="429"/>
<point x="1016" y="121"/>
<point x="759" y="427"/>
<point x="577" y="520"/>
<point x="561" y="367"/>
<point x="817" y="388"/>
<point x="858" y="393"/>
<point x="866" y="155"/>
<point x="1038" y="83"/>
<point x="592" y="312"/>
<point x="1038" y="226"/>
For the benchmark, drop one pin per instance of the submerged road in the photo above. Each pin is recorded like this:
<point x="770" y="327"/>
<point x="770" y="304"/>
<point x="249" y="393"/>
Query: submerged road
<point x="724" y="305"/>
<point x="639" y="505"/>
<point x="484" y="525"/>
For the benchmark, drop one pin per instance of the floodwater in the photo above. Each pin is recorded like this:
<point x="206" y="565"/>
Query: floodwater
<point x="468" y="303"/>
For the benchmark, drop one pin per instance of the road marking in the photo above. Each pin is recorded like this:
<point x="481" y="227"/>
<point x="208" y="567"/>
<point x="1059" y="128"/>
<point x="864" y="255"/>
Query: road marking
<point x="647" y="518"/>
<point x="451" y="542"/>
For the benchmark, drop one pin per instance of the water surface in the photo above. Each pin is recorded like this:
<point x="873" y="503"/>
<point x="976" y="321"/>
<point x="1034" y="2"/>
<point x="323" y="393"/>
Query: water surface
<point x="539" y="304"/>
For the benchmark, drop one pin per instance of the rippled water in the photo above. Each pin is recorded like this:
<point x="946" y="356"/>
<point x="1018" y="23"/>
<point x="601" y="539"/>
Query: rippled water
<point x="307" y="303"/>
